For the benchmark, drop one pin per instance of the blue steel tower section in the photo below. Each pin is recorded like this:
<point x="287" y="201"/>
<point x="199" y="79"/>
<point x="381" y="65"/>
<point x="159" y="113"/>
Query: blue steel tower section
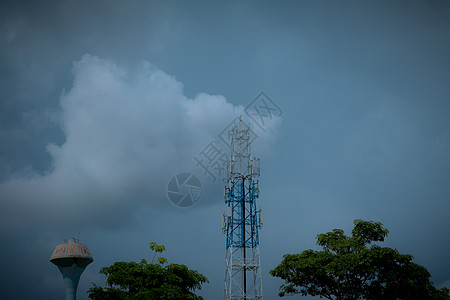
<point x="242" y="220"/>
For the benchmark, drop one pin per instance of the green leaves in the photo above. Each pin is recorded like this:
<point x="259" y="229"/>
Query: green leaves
<point x="132" y="280"/>
<point x="158" y="249"/>
<point x="354" y="268"/>
<point x="161" y="260"/>
<point x="369" y="231"/>
<point x="333" y="241"/>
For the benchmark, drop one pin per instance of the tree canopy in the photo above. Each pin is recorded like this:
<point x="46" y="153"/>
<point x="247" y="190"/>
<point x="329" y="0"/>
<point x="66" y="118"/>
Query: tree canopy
<point x="142" y="280"/>
<point x="354" y="268"/>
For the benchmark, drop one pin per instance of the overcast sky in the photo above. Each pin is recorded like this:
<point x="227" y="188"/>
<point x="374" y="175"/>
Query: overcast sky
<point x="103" y="102"/>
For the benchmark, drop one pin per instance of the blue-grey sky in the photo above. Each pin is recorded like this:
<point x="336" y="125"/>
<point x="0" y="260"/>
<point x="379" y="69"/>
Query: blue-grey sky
<point x="102" y="102"/>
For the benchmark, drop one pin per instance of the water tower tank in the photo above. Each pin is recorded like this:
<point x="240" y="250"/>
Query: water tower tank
<point x="72" y="258"/>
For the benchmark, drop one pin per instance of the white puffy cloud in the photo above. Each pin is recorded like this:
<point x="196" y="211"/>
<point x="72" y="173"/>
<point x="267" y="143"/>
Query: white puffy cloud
<point x="127" y="132"/>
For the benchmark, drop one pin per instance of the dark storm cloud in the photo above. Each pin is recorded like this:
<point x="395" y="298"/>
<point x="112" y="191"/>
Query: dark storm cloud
<point x="39" y="42"/>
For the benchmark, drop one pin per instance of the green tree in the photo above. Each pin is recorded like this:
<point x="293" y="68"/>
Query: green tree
<point x="354" y="268"/>
<point x="132" y="280"/>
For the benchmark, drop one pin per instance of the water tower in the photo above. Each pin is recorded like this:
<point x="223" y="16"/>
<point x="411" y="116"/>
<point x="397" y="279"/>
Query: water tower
<point x="72" y="258"/>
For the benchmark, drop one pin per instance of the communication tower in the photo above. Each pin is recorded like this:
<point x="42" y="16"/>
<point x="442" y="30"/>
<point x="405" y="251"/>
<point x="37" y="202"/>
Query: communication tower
<point x="242" y="219"/>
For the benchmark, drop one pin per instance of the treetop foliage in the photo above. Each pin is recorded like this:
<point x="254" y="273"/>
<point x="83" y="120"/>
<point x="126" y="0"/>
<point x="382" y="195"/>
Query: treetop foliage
<point x="352" y="267"/>
<point x="141" y="280"/>
<point x="364" y="232"/>
<point x="158" y="249"/>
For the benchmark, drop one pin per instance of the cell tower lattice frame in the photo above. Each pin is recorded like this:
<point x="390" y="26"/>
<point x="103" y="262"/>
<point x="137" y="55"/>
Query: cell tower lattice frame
<point x="242" y="221"/>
